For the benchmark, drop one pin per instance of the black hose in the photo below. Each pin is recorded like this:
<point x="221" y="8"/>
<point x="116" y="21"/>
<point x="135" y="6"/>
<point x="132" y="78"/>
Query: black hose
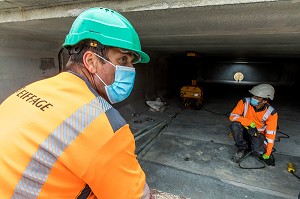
<point x="295" y="175"/>
<point x="261" y="167"/>
<point x="152" y="139"/>
<point x="285" y="136"/>
<point x="217" y="113"/>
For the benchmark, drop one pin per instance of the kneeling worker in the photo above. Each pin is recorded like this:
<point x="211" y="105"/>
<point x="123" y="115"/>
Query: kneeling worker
<point x="254" y="124"/>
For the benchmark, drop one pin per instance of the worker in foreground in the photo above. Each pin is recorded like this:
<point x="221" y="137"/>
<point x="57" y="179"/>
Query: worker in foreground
<point x="254" y="124"/>
<point x="60" y="137"/>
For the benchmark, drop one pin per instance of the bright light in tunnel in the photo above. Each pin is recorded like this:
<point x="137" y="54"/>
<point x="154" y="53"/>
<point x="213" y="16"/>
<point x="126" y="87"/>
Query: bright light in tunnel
<point x="238" y="76"/>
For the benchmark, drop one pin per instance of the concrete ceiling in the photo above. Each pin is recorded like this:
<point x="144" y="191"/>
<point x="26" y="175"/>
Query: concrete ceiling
<point x="257" y="28"/>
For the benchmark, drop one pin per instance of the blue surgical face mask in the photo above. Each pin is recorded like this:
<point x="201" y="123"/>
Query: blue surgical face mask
<point x="123" y="84"/>
<point x="253" y="101"/>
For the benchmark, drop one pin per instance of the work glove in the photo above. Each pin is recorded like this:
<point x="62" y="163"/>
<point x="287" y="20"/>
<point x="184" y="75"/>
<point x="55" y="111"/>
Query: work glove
<point x="252" y="130"/>
<point x="252" y="125"/>
<point x="269" y="161"/>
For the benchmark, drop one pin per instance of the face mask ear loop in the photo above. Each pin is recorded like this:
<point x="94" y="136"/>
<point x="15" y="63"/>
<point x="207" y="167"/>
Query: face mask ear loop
<point x="100" y="79"/>
<point x="104" y="59"/>
<point x="261" y="102"/>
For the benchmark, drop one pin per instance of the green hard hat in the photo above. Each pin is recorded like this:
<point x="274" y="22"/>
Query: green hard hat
<point x="108" y="27"/>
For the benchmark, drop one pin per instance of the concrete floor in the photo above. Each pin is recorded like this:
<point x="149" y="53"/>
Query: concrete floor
<point x="187" y="152"/>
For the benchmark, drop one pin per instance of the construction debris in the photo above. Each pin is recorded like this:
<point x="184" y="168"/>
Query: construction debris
<point x="157" y="105"/>
<point x="163" y="195"/>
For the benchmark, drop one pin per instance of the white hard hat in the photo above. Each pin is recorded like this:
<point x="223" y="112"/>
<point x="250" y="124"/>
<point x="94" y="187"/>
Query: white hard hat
<point x="263" y="90"/>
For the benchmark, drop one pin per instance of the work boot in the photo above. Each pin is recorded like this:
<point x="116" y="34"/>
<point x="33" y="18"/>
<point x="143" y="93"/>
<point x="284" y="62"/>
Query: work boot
<point x="239" y="155"/>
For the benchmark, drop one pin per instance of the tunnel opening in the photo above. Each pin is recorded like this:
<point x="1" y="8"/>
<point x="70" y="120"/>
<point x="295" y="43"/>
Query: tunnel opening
<point x="218" y="76"/>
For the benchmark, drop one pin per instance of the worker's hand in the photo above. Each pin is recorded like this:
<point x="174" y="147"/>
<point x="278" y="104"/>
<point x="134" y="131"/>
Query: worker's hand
<point x="253" y="131"/>
<point x="269" y="161"/>
<point x="265" y="156"/>
<point x="252" y="125"/>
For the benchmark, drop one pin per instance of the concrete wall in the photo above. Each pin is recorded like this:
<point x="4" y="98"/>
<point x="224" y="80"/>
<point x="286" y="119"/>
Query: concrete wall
<point x="24" y="61"/>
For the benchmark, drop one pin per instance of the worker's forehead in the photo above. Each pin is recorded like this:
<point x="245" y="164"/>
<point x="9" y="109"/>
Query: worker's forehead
<point x="135" y="57"/>
<point x="120" y="51"/>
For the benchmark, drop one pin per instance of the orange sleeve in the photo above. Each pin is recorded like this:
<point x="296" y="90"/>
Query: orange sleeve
<point x="237" y="114"/>
<point x="115" y="172"/>
<point x="270" y="132"/>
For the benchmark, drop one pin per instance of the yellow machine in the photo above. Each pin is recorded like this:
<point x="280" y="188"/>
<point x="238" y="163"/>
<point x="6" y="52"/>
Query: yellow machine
<point x="191" y="96"/>
<point x="291" y="168"/>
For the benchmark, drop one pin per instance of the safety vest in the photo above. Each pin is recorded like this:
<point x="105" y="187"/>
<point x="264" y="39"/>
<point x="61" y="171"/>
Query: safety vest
<point x="60" y="139"/>
<point x="265" y="120"/>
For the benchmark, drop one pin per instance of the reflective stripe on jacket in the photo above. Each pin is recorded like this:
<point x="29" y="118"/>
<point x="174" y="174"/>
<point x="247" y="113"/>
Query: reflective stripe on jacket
<point x="265" y="120"/>
<point x="60" y="139"/>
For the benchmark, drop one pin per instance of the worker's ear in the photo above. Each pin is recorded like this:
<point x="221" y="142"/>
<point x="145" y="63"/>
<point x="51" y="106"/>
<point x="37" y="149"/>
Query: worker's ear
<point x="89" y="61"/>
<point x="264" y="100"/>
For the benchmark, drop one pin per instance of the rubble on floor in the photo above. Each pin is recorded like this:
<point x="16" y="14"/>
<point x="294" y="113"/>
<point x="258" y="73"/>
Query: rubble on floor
<point x="163" y="195"/>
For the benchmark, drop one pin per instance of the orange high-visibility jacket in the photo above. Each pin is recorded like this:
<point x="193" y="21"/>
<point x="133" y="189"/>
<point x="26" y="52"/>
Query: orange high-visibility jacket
<point x="265" y="120"/>
<point x="60" y="139"/>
